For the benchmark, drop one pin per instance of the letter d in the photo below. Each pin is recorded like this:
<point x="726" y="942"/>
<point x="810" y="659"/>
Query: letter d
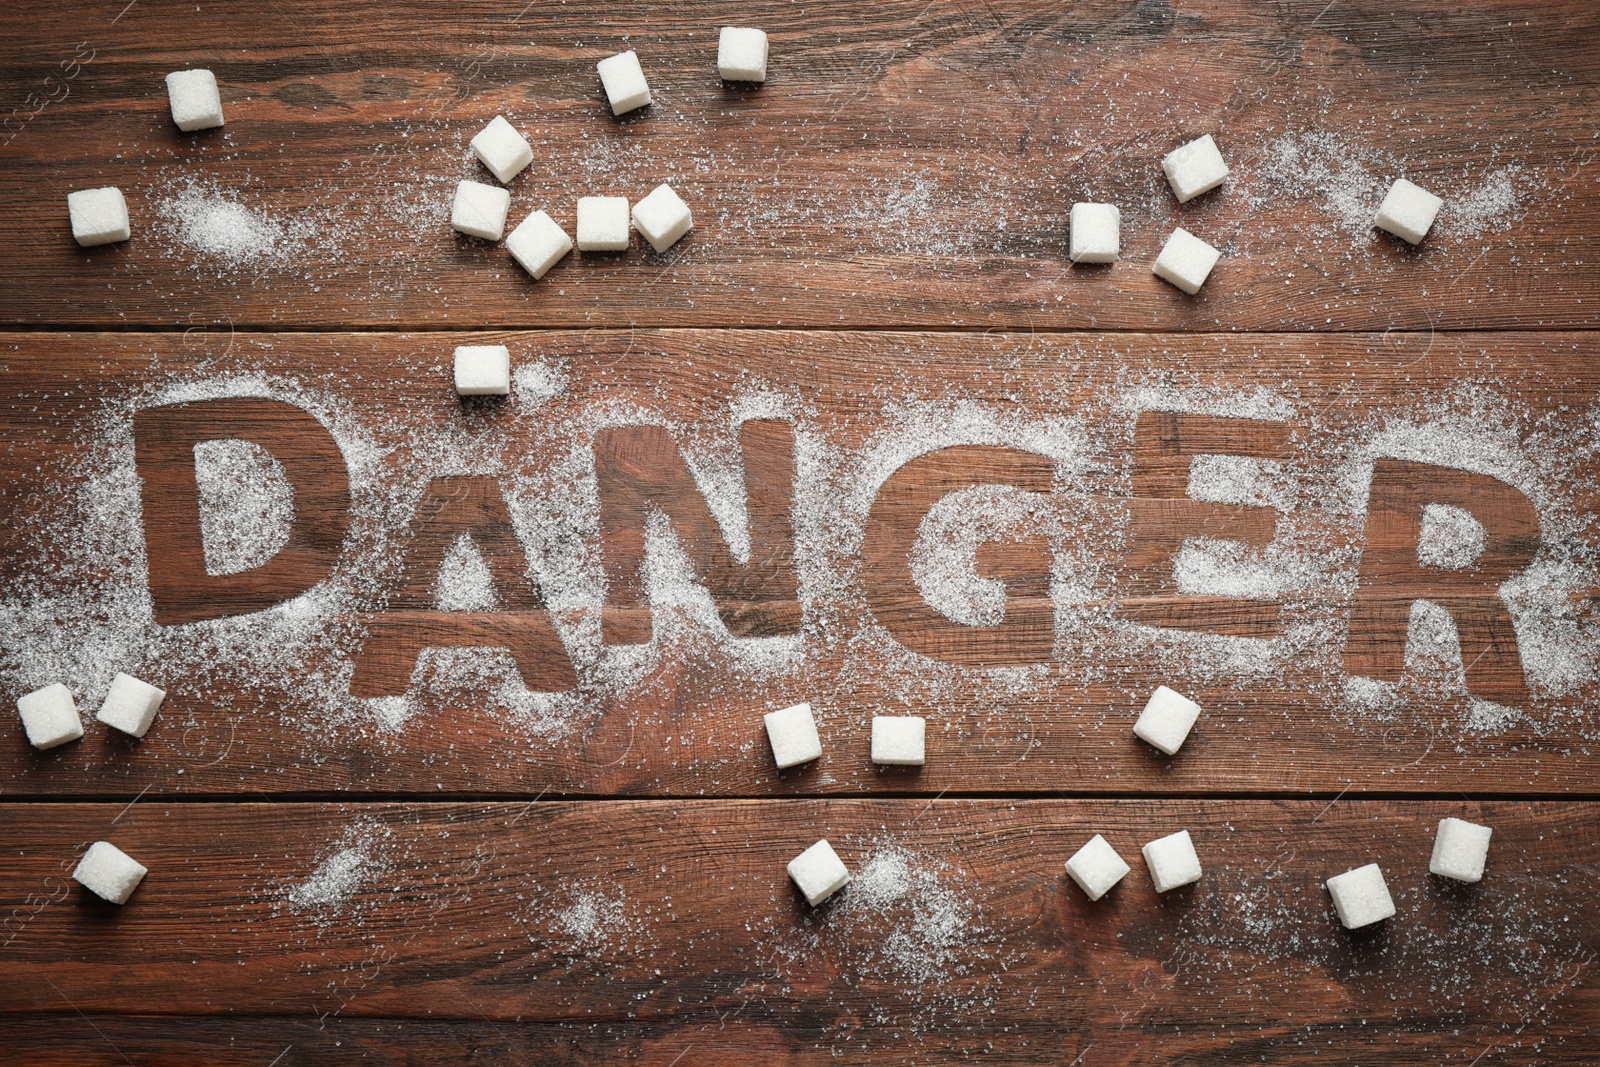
<point x="163" y="441"/>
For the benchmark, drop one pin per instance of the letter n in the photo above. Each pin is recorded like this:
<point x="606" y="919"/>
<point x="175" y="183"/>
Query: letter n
<point x="450" y="507"/>
<point x="1392" y="577"/>
<point x="639" y="468"/>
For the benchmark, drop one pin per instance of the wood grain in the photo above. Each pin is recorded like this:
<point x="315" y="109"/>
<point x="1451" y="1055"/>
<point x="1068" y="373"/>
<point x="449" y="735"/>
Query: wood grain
<point x="875" y="309"/>
<point x="688" y="721"/>
<point x="906" y="164"/>
<point x="701" y="940"/>
<point x="451" y="507"/>
<point x="164" y="440"/>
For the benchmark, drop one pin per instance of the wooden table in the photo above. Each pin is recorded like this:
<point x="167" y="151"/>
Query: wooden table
<point x="722" y="485"/>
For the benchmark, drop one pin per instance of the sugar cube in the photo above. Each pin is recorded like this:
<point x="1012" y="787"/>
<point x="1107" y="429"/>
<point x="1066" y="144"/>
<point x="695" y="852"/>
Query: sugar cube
<point x="602" y="224"/>
<point x="1172" y="861"/>
<point x="49" y="716"/>
<point x="1186" y="261"/>
<point x="819" y="872"/>
<point x="1194" y="168"/>
<point x="196" y="104"/>
<point x="131" y="705"/>
<point x="1094" y="233"/>
<point x="538" y="243"/>
<point x="480" y="210"/>
<point x="1360" y="897"/>
<point x="897" y="740"/>
<point x="742" y="55"/>
<point x="624" y="82"/>
<point x="502" y="149"/>
<point x="1408" y="211"/>
<point x="1459" y="850"/>
<point x="99" y="216"/>
<point x="1166" y="720"/>
<point x="483" y="370"/>
<point x="109" y="873"/>
<point x="1096" y="867"/>
<point x="662" y="217"/>
<point x="793" y="734"/>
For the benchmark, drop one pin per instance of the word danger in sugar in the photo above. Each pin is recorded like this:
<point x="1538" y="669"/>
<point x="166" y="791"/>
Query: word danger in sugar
<point x="1143" y="533"/>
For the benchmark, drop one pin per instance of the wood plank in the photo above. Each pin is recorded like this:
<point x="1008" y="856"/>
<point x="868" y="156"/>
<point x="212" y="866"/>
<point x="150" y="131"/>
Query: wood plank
<point x="639" y="928"/>
<point x="906" y="164"/>
<point x="215" y="1041"/>
<point x="262" y="701"/>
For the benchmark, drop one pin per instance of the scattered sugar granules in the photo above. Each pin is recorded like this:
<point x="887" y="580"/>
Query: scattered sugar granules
<point x="535" y="382"/>
<point x="909" y="932"/>
<point x="593" y="922"/>
<point x="248" y="231"/>
<point x="943" y="556"/>
<point x="246" y="504"/>
<point x="351" y="865"/>
<point x="1490" y="958"/>
<point x="88" y="608"/>
<point x="1347" y="179"/>
<point x="465" y="582"/>
<point x="217" y="225"/>
<point x="592" y="925"/>
<point x="1451" y="538"/>
<point x="921" y="923"/>
<point x="1492" y="203"/>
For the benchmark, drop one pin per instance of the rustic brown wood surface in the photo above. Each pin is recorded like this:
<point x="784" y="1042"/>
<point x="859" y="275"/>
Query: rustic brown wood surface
<point x="690" y="725"/>
<point x="908" y="163"/>
<point x="722" y="484"/>
<point x="700" y="947"/>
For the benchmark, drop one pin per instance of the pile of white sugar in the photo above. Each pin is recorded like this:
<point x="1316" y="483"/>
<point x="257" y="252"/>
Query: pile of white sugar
<point x="246" y="504"/>
<point x="339" y="888"/>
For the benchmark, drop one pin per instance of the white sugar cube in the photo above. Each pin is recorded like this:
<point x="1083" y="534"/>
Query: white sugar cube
<point x="131" y="705"/>
<point x="602" y="224"/>
<point x="897" y="740"/>
<point x="1360" y="897"/>
<point x="99" y="216"/>
<point x="624" y="82"/>
<point x="480" y="210"/>
<point x="538" y="243"/>
<point x="1096" y="867"/>
<point x="742" y="55"/>
<point x="819" y="872"/>
<point x="502" y="149"/>
<point x="793" y="734"/>
<point x="109" y="873"/>
<point x="662" y="217"/>
<point x="483" y="370"/>
<point x="196" y="104"/>
<point x="1459" y="850"/>
<point x="1172" y="861"/>
<point x="1408" y="211"/>
<point x="1166" y="720"/>
<point x="49" y="716"/>
<point x="1095" y="233"/>
<point x="1186" y="261"/>
<point x="1195" y="168"/>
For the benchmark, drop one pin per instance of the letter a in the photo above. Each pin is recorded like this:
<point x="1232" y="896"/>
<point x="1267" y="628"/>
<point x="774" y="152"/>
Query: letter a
<point x="450" y="507"/>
